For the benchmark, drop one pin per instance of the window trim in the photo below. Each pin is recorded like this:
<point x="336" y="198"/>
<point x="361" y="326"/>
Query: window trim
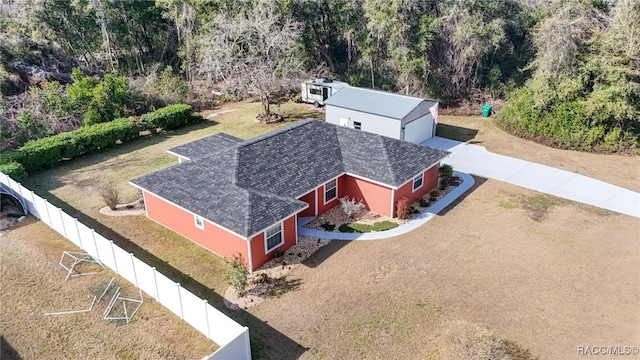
<point x="200" y="219"/>
<point x="266" y="239"/>
<point x="419" y="177"/>
<point x="324" y="192"/>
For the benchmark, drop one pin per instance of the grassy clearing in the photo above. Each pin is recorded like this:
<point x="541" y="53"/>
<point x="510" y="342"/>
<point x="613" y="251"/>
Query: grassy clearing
<point x="33" y="283"/>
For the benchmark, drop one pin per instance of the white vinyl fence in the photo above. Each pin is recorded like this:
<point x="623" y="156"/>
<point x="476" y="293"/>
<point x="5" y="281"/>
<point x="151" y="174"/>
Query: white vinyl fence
<point x="232" y="338"/>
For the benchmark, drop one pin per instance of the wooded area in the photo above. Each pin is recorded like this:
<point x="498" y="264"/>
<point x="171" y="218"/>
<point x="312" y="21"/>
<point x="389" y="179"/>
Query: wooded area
<point x="569" y="70"/>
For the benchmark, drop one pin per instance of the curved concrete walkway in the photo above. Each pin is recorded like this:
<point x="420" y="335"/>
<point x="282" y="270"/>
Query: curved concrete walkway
<point x="477" y="160"/>
<point x="421" y="219"/>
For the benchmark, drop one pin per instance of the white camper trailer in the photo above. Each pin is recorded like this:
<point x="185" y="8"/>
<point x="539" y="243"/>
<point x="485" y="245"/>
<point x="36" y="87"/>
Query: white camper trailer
<point x="318" y="90"/>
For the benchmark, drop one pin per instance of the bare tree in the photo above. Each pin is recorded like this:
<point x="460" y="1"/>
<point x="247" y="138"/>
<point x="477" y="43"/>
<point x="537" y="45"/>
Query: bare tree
<point x="565" y="33"/>
<point x="254" y="52"/>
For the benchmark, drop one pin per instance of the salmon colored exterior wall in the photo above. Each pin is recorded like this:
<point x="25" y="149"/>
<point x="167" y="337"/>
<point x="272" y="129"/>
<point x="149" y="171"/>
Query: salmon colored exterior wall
<point x="321" y="205"/>
<point x="376" y="197"/>
<point x="258" y="246"/>
<point x="309" y="199"/>
<point x="430" y="181"/>
<point x="214" y="238"/>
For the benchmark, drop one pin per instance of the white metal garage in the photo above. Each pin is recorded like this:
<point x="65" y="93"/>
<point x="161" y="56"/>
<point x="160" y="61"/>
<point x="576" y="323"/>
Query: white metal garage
<point x="398" y="116"/>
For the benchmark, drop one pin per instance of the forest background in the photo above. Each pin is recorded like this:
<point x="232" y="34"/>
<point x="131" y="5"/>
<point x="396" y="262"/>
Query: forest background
<point x="564" y="73"/>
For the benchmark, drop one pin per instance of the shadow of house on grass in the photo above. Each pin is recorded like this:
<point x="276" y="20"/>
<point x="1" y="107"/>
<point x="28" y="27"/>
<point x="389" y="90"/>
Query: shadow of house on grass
<point x="324" y="253"/>
<point x="266" y="342"/>
<point x="7" y="351"/>
<point x="479" y="181"/>
<point x="456" y="132"/>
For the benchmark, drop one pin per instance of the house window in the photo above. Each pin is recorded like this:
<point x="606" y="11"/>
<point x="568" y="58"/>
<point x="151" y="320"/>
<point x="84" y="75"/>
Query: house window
<point x="330" y="190"/>
<point x="199" y="222"/>
<point x="417" y="182"/>
<point x="357" y="125"/>
<point x="273" y="237"/>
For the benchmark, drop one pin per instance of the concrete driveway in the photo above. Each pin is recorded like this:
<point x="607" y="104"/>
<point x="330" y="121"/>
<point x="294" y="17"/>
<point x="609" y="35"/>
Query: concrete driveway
<point x="474" y="159"/>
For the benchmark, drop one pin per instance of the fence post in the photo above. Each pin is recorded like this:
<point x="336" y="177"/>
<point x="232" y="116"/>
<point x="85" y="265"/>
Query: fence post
<point x="46" y="208"/>
<point x="78" y="232"/>
<point x="95" y="244"/>
<point x="64" y="228"/>
<point x="180" y="301"/>
<point x="206" y="315"/>
<point x="33" y="204"/>
<point x="113" y="254"/>
<point x="247" y="343"/>
<point x="155" y="283"/>
<point x="133" y="266"/>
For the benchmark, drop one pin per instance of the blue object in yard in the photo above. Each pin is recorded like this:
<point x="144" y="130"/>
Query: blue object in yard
<point x="486" y="110"/>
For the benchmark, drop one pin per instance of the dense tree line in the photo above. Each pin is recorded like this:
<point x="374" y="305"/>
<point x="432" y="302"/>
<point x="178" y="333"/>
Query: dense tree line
<point x="551" y="57"/>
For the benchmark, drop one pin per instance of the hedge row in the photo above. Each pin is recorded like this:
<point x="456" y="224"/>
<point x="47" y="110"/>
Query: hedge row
<point x="37" y="154"/>
<point x="15" y="170"/>
<point x="169" y="117"/>
<point x="45" y="152"/>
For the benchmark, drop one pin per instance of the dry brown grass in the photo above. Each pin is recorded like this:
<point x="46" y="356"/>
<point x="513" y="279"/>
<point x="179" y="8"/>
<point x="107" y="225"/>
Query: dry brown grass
<point x="33" y="283"/>
<point x="546" y="286"/>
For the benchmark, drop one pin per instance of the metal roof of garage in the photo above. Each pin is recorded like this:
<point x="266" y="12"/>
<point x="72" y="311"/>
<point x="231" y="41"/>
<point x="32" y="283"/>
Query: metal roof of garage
<point x="390" y="105"/>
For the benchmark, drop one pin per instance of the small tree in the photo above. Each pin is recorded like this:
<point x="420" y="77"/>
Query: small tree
<point x="446" y="173"/>
<point x="402" y="208"/>
<point x="237" y="274"/>
<point x="110" y="195"/>
<point x="351" y="206"/>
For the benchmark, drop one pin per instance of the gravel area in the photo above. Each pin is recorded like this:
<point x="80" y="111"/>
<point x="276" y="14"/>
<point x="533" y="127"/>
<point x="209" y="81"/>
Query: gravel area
<point x="274" y="270"/>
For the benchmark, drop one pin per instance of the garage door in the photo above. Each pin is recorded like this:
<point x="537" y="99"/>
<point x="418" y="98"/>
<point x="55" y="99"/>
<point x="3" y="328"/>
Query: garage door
<point x="419" y="130"/>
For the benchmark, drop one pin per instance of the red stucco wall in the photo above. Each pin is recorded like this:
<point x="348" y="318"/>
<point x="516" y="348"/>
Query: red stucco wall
<point x="309" y="199"/>
<point x="376" y="197"/>
<point x="258" y="246"/>
<point x="214" y="238"/>
<point x="430" y="181"/>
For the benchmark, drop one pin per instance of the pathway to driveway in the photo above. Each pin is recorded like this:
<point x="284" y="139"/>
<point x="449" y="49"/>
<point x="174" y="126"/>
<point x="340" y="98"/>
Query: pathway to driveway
<point x="477" y="160"/>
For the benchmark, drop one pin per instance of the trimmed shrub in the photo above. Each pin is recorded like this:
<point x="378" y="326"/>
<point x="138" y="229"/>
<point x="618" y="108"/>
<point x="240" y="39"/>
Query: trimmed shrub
<point x="170" y="117"/>
<point x="11" y="156"/>
<point x="446" y="172"/>
<point x="37" y="154"/>
<point x="328" y="226"/>
<point x="402" y="207"/>
<point x="237" y="274"/>
<point x="15" y="170"/>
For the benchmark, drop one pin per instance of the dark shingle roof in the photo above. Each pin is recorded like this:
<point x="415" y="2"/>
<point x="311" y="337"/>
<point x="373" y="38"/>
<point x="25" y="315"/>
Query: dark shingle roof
<point x="205" y="146"/>
<point x="251" y="185"/>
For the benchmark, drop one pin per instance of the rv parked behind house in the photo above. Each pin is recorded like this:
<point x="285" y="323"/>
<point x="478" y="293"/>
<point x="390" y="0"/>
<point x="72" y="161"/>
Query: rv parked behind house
<point x="318" y="90"/>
